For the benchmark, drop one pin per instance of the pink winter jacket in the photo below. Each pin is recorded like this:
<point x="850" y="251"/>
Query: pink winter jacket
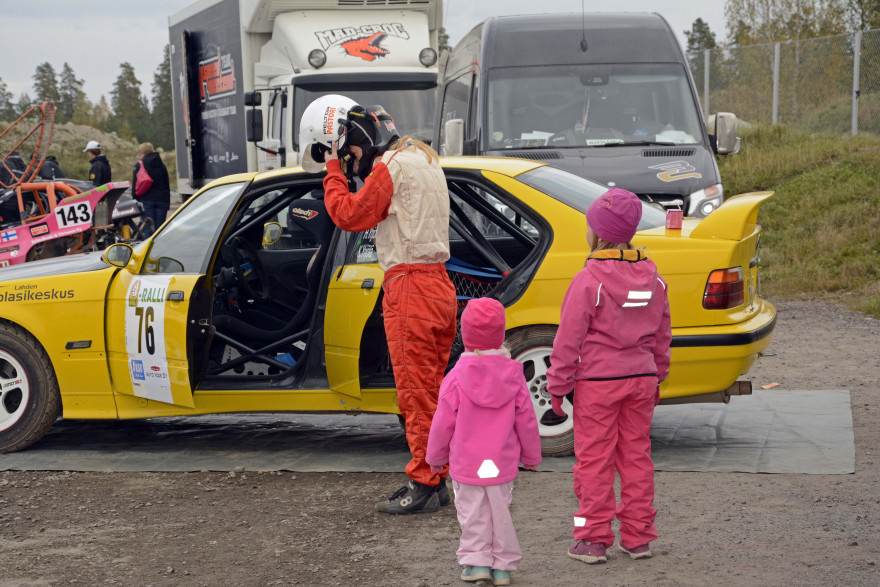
<point x="485" y="425"/>
<point x="614" y="323"/>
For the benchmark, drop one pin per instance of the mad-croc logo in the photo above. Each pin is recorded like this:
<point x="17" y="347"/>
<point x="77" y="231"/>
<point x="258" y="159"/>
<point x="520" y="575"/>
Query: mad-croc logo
<point x="364" y="41"/>
<point x="216" y="77"/>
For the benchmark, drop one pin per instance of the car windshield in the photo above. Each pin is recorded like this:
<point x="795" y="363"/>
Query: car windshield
<point x="411" y="104"/>
<point x="590" y="106"/>
<point x="579" y="193"/>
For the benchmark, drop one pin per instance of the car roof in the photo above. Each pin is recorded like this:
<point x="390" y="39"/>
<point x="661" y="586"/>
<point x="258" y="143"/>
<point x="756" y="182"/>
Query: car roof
<point x="511" y="166"/>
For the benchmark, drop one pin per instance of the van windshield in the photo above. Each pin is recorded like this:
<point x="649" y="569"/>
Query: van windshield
<point x="590" y="106"/>
<point x="410" y="104"/>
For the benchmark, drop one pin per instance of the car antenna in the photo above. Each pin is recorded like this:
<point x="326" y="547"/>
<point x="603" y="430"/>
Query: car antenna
<point x="583" y="28"/>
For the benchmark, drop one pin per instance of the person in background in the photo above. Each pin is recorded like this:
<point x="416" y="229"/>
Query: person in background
<point x="157" y="199"/>
<point x="612" y="348"/>
<point x="484" y="427"/>
<point x="50" y="169"/>
<point x="100" y="172"/>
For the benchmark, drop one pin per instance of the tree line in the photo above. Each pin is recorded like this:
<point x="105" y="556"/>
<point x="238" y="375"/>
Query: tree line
<point x="755" y="22"/>
<point x="129" y="113"/>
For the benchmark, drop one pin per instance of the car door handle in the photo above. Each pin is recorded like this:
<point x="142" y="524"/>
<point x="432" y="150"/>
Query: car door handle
<point x="367" y="284"/>
<point x="175" y="296"/>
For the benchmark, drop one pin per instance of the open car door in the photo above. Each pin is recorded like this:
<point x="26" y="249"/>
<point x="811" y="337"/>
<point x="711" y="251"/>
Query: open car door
<point x="155" y="305"/>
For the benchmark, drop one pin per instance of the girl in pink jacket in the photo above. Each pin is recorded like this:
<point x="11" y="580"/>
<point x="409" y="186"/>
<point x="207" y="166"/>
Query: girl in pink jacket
<point x="612" y="349"/>
<point x="484" y="427"/>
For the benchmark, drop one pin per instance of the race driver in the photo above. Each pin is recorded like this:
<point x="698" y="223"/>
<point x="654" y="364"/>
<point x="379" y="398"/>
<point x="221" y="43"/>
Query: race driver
<point x="405" y="197"/>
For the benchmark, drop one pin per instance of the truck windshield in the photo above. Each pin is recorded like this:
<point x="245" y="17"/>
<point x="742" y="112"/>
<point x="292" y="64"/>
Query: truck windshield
<point x="410" y="105"/>
<point x="590" y="106"/>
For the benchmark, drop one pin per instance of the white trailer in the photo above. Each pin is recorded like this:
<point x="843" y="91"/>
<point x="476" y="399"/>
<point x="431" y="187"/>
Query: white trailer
<point x="243" y="71"/>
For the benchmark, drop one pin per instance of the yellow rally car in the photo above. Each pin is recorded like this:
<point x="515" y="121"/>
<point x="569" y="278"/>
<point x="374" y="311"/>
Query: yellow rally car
<point x="248" y="299"/>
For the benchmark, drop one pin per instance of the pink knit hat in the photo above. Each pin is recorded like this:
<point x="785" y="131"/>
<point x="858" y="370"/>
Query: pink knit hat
<point x="482" y="324"/>
<point x="614" y="216"/>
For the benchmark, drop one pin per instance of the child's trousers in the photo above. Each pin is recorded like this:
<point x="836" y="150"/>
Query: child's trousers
<point x="488" y="538"/>
<point x="612" y="430"/>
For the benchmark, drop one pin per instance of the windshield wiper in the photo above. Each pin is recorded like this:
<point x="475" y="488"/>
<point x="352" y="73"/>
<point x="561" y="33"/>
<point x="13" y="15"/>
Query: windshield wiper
<point x="638" y="144"/>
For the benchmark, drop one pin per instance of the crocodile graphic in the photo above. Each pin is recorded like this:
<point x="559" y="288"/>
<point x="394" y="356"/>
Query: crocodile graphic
<point x="367" y="48"/>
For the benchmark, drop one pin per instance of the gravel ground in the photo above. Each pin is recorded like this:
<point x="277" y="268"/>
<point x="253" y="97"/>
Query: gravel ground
<point x="287" y="528"/>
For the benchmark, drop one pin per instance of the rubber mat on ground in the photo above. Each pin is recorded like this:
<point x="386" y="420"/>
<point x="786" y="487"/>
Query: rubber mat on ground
<point x="768" y="432"/>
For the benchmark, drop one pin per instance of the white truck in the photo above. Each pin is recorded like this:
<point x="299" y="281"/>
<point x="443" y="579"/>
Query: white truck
<point x="243" y="72"/>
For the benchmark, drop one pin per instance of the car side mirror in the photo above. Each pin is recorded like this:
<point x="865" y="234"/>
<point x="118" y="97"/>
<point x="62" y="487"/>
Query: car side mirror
<point x="271" y="233"/>
<point x="253" y="98"/>
<point x="726" y="139"/>
<point x="118" y="254"/>
<point x="169" y="265"/>
<point x="453" y="137"/>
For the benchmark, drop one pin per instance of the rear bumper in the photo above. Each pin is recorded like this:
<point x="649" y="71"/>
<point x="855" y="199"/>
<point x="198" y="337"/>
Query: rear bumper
<point x="711" y="359"/>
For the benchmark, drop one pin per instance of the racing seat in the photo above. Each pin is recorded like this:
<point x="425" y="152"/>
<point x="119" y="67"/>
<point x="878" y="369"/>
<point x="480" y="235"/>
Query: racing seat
<point x="312" y="216"/>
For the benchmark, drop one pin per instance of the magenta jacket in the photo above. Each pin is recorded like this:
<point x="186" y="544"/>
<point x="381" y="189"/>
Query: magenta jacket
<point x="614" y="323"/>
<point x="485" y="425"/>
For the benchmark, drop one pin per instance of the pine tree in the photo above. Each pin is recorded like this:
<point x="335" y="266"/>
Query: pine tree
<point x="163" y="106"/>
<point x="24" y="104"/>
<point x="46" y="83"/>
<point x="130" y="111"/>
<point x="700" y="37"/>
<point x="69" y="93"/>
<point x="7" y="108"/>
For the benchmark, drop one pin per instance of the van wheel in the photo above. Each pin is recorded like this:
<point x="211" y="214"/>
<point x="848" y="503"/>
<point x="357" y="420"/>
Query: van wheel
<point x="30" y="401"/>
<point x="532" y="347"/>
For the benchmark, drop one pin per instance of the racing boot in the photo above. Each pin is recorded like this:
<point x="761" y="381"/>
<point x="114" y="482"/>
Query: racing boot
<point x="443" y="493"/>
<point x="412" y="498"/>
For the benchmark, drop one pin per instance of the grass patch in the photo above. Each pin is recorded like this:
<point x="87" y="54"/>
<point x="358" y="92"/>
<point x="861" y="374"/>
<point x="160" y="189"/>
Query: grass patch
<point x="822" y="230"/>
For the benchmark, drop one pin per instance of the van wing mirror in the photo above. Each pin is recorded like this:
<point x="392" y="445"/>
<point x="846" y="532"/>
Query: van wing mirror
<point x="453" y="137"/>
<point x="726" y="139"/>
<point x="254" y="122"/>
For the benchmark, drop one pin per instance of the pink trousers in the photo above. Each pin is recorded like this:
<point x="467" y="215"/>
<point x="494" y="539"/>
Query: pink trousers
<point x="488" y="538"/>
<point x="612" y="431"/>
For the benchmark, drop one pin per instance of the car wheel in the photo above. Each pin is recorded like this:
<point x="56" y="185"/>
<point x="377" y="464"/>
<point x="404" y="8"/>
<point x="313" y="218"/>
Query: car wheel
<point x="532" y="347"/>
<point x="29" y="398"/>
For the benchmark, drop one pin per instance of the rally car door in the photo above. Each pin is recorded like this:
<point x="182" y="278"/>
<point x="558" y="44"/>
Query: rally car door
<point x="150" y="303"/>
<point x="351" y="297"/>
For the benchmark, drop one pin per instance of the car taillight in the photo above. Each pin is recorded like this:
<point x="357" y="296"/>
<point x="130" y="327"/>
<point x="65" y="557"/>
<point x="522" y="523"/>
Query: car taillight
<point x="724" y="289"/>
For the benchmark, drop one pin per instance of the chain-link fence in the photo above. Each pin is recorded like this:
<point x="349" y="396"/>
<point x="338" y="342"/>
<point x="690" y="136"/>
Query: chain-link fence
<point x="829" y="84"/>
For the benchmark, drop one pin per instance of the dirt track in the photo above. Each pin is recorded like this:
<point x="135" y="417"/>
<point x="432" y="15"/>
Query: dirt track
<point x="320" y="529"/>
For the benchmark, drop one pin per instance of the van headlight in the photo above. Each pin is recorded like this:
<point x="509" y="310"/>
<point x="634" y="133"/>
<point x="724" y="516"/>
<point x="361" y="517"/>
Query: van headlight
<point x="705" y="201"/>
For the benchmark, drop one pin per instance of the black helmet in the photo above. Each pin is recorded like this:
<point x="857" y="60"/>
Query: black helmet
<point x="372" y="129"/>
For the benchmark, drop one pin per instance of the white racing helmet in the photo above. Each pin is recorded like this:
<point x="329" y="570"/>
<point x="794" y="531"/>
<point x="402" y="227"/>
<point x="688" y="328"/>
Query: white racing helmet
<point x="323" y="122"/>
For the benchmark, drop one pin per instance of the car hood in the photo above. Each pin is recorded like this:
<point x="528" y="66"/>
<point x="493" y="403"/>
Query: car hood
<point x="679" y="170"/>
<point x="80" y="263"/>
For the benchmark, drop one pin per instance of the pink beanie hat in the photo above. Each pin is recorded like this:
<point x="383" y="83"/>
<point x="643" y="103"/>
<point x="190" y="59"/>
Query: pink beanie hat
<point x="482" y="324"/>
<point x="614" y="216"/>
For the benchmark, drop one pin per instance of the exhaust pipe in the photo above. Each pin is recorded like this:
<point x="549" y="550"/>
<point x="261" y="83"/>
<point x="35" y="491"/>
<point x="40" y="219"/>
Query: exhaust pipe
<point x="738" y="388"/>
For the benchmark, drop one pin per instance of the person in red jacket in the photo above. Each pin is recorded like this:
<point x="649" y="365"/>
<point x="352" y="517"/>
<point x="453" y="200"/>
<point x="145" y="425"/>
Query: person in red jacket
<point x="405" y="198"/>
<point x="612" y="348"/>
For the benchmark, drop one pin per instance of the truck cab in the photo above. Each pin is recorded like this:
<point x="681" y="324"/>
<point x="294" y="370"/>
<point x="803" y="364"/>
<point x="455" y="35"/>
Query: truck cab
<point x="245" y="70"/>
<point x="607" y="96"/>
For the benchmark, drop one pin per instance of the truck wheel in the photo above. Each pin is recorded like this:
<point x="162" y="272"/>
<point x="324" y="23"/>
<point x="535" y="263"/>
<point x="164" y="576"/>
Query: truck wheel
<point x="29" y="398"/>
<point x="532" y="347"/>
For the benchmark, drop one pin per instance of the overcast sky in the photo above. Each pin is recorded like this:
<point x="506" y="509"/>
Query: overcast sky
<point x="96" y="36"/>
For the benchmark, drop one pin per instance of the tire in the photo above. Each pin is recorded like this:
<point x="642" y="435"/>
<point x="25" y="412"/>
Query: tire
<point x="30" y="401"/>
<point x="532" y="346"/>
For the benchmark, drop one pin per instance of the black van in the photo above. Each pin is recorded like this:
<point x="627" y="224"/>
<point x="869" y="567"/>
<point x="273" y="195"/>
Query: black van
<point x="609" y="97"/>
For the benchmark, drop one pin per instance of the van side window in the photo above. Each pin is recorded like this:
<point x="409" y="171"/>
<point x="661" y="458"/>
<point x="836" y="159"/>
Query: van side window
<point x="455" y="102"/>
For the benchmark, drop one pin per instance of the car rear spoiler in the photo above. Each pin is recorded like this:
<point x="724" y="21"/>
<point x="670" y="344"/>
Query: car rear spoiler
<point x="733" y="220"/>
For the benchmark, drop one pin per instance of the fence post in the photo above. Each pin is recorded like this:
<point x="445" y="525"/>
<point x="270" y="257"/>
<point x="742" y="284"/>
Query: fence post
<point x="706" y="58"/>
<point x="775" y="82"/>
<point x="857" y="59"/>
